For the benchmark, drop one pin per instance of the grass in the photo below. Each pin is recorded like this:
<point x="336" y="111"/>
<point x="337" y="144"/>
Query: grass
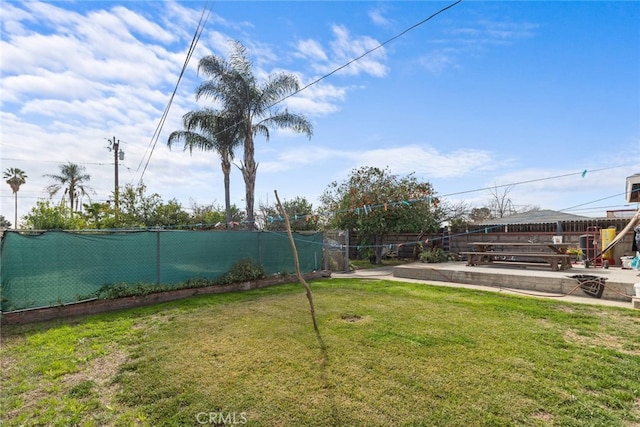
<point x="393" y="354"/>
<point x="364" y="264"/>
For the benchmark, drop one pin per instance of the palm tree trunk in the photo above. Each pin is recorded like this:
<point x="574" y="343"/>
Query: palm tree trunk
<point x="226" y="171"/>
<point x="15" y="223"/>
<point x="249" y="170"/>
<point x="71" y="198"/>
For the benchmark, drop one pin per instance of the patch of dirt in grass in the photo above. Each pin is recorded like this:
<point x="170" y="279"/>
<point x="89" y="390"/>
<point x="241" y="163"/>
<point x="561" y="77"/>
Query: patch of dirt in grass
<point x="101" y="371"/>
<point x="351" y="317"/>
<point x="6" y="365"/>
<point x="545" y="417"/>
<point x="611" y="342"/>
<point x="566" y="309"/>
<point x="153" y="321"/>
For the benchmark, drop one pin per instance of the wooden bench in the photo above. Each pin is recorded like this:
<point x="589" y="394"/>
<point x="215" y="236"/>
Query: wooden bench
<point x="555" y="260"/>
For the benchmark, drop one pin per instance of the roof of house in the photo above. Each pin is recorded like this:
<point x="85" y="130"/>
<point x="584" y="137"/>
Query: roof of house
<point x="535" y="217"/>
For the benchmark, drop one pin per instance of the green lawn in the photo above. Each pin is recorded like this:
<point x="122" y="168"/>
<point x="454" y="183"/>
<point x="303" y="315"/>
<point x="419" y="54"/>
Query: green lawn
<point x="394" y="354"/>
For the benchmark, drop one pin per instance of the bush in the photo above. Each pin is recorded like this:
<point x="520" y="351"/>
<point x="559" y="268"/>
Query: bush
<point x="434" y="255"/>
<point x="244" y="270"/>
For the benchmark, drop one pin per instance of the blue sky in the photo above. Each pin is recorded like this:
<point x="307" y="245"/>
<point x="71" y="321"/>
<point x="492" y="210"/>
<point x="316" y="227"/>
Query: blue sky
<point x="485" y="94"/>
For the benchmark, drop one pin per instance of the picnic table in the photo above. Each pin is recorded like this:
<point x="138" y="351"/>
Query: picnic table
<point x="519" y="253"/>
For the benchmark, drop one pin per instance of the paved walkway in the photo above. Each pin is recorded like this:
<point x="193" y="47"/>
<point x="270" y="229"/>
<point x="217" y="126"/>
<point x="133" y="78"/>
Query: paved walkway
<point x="386" y="273"/>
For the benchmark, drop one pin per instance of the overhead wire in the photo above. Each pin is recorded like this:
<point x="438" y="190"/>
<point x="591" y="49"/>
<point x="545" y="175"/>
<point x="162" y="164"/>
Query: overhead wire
<point x="194" y="42"/>
<point x="533" y="180"/>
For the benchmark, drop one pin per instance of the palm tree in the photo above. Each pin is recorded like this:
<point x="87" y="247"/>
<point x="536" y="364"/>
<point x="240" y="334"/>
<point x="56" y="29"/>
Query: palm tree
<point x="72" y="178"/>
<point x="210" y="130"/>
<point x="251" y="104"/>
<point x="15" y="178"/>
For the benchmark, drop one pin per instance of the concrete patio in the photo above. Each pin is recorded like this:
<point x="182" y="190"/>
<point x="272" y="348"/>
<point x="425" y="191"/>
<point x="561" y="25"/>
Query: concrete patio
<point x="529" y="281"/>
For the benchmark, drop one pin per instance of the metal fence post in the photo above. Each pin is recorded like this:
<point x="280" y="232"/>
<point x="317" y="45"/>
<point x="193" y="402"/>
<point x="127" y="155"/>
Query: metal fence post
<point x="158" y="256"/>
<point x="346" y="251"/>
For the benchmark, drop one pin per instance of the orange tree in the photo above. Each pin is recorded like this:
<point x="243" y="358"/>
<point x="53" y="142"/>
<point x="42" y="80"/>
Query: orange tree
<point x="374" y="202"/>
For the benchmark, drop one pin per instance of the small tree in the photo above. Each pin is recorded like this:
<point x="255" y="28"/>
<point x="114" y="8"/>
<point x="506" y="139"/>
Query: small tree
<point x="374" y="202"/>
<point x="501" y="204"/>
<point x="15" y="178"/>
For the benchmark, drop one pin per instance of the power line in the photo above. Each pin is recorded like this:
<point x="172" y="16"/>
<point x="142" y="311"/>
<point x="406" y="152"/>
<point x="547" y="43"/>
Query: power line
<point x="54" y="161"/>
<point x="594" y="201"/>
<point x="194" y="41"/>
<point x="582" y="173"/>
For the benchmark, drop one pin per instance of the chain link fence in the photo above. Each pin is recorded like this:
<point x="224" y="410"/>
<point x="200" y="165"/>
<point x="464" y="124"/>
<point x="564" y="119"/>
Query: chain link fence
<point x="56" y="267"/>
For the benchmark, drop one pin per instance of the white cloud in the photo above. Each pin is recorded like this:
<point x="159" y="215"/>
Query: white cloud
<point x="471" y="38"/>
<point x="311" y="50"/>
<point x="299" y="156"/>
<point x="428" y="161"/>
<point x="378" y="18"/>
<point x="403" y="160"/>
<point x="344" y="48"/>
<point x="142" y="25"/>
<point x="439" y="60"/>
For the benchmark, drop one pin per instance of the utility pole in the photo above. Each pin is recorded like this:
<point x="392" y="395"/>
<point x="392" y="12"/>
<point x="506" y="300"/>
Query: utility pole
<point x="114" y="145"/>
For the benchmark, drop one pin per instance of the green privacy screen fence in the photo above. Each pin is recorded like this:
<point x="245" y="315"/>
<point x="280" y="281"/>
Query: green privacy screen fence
<point x="54" y="267"/>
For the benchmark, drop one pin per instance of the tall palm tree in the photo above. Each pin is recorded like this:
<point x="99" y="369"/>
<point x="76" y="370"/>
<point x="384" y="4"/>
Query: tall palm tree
<point x="73" y="179"/>
<point x="251" y="104"/>
<point x="15" y="178"/>
<point x="208" y="130"/>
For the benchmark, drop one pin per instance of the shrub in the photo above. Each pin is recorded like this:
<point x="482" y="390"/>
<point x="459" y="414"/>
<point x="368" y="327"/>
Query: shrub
<point x="244" y="270"/>
<point x="434" y="255"/>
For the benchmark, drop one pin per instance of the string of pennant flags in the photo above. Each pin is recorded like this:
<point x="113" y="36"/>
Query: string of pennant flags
<point x="365" y="209"/>
<point x="306" y="217"/>
<point x="368" y="208"/>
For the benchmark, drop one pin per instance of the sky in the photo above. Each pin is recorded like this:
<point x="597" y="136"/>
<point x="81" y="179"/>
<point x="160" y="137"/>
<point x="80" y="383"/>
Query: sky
<point x="513" y="96"/>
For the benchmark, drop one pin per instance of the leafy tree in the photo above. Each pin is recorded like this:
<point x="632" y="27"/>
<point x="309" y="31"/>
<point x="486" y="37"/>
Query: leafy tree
<point x="171" y="214"/>
<point x="73" y="179"/>
<point x="139" y="209"/>
<point x="374" y="202"/>
<point x="45" y="216"/>
<point x="210" y="216"/>
<point x="209" y="130"/>
<point x="4" y="223"/>
<point x="300" y="212"/>
<point x="251" y="105"/>
<point x="206" y="216"/>
<point x="15" y="178"/>
<point x="100" y="215"/>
